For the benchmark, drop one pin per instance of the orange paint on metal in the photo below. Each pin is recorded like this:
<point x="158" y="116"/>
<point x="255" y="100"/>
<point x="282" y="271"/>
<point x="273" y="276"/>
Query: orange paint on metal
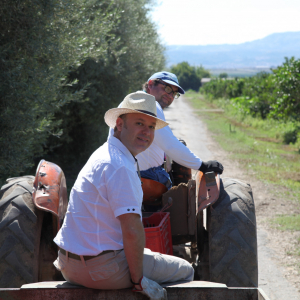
<point x="50" y="190"/>
<point x="207" y="193"/>
<point x="152" y="190"/>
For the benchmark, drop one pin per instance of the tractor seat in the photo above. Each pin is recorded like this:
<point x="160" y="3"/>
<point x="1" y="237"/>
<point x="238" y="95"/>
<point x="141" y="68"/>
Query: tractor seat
<point x="152" y="190"/>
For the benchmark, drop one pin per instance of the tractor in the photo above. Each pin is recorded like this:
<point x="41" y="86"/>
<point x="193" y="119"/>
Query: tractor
<point x="213" y="225"/>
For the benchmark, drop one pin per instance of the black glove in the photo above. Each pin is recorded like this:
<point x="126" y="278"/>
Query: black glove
<point x="211" y="165"/>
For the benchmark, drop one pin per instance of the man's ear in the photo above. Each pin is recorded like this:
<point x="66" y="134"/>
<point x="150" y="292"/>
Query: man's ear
<point x="150" y="85"/>
<point x="119" y="124"/>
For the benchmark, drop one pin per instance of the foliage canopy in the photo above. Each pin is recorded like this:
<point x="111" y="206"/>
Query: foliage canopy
<point x="275" y="95"/>
<point x="63" y="63"/>
<point x="189" y="77"/>
<point x="287" y="82"/>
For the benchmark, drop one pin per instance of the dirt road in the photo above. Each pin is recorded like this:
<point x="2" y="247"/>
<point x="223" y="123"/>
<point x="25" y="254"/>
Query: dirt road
<point x="277" y="276"/>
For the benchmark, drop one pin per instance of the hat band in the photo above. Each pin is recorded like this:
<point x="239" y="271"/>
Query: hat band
<point x="146" y="112"/>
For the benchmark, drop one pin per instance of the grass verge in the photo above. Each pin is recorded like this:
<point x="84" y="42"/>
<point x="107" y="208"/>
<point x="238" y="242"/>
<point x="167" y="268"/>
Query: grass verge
<point x="284" y="222"/>
<point x="265" y="157"/>
<point x="258" y="147"/>
<point x="289" y="222"/>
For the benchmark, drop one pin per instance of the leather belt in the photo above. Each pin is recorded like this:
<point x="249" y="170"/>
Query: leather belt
<point x="85" y="257"/>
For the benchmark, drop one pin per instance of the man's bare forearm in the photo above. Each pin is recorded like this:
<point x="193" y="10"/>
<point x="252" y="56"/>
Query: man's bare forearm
<point x="134" y="243"/>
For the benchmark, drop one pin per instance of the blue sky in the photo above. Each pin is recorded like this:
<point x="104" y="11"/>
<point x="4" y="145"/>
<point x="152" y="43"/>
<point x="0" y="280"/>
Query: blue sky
<point x="199" y="22"/>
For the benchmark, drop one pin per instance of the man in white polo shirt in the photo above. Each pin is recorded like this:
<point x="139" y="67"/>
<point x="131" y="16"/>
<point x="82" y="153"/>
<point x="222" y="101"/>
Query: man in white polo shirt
<point x="102" y="238"/>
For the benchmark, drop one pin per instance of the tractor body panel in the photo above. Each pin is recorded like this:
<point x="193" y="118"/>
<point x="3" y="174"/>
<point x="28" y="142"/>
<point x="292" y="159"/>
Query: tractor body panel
<point x="190" y="290"/>
<point x="50" y="190"/>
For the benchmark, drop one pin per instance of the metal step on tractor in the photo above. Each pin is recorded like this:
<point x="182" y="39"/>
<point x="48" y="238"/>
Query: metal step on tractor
<point x="213" y="225"/>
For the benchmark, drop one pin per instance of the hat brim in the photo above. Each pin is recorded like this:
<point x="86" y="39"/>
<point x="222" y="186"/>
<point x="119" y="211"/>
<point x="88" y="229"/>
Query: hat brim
<point x="112" y="115"/>
<point x="180" y="89"/>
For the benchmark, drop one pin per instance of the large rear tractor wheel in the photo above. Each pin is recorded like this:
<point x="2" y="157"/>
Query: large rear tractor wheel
<point x="22" y="251"/>
<point x="231" y="225"/>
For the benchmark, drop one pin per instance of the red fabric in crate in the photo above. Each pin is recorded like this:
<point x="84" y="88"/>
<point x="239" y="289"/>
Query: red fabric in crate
<point x="158" y="232"/>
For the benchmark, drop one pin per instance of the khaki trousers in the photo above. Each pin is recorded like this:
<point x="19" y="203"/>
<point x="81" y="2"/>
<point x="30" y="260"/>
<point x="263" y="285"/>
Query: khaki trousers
<point x="110" y="270"/>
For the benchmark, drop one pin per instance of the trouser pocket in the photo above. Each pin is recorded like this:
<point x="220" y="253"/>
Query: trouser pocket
<point x="104" y="272"/>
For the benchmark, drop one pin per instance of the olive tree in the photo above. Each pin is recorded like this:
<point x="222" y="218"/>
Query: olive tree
<point x="43" y="44"/>
<point x="287" y="87"/>
<point x="131" y="56"/>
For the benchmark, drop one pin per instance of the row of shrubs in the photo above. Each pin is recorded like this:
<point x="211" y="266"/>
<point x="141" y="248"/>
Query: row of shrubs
<point x="274" y="95"/>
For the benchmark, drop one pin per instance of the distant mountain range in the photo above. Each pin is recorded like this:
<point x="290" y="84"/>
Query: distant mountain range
<point x="264" y="53"/>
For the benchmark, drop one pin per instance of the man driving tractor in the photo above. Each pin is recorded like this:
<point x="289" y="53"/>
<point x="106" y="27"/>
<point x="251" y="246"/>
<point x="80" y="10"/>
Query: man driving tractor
<point x="165" y="88"/>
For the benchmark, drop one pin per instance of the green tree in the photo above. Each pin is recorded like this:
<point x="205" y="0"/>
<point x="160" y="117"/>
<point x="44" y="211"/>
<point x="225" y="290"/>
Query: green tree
<point x="187" y="76"/>
<point x="287" y="83"/>
<point x="201" y="72"/>
<point x="275" y="95"/>
<point x="28" y="51"/>
<point x="260" y="90"/>
<point x="253" y="95"/>
<point x="43" y="44"/>
<point x="223" y="75"/>
<point x="129" y="60"/>
<point x="216" y="88"/>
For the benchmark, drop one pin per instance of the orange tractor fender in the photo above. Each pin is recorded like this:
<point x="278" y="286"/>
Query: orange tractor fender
<point x="207" y="189"/>
<point x="50" y="191"/>
<point x="152" y="190"/>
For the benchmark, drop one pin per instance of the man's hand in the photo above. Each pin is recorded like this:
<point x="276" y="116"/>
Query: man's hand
<point x="151" y="289"/>
<point x="211" y="165"/>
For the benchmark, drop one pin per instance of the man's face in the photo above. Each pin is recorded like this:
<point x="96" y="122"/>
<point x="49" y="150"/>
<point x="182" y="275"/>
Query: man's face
<point x="161" y="96"/>
<point x="136" y="132"/>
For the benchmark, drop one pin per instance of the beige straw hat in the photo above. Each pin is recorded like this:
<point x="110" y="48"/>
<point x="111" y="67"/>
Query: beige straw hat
<point x="138" y="102"/>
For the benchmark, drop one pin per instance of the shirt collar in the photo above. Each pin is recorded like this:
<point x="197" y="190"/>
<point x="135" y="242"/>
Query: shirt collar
<point x="118" y="144"/>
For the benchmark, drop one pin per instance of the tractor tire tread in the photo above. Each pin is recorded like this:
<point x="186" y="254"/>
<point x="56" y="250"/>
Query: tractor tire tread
<point x="20" y="180"/>
<point x="232" y="236"/>
<point x="19" y="233"/>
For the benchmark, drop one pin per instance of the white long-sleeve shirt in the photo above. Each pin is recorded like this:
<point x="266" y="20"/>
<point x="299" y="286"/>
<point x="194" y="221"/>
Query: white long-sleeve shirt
<point x="165" y="142"/>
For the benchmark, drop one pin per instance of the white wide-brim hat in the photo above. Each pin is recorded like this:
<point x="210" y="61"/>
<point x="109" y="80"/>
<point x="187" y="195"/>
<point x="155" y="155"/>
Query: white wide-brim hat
<point x="138" y="102"/>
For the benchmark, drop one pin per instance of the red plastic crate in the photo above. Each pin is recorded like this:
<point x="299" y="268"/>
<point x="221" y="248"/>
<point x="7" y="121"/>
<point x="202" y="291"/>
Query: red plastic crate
<point x="157" y="228"/>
